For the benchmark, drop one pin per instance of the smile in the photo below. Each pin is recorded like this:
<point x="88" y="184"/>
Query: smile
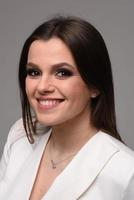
<point x="49" y="103"/>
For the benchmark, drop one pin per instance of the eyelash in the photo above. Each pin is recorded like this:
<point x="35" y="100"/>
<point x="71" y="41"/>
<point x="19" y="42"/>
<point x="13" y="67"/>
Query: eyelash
<point x="32" y="72"/>
<point x="60" y="73"/>
<point x="63" y="73"/>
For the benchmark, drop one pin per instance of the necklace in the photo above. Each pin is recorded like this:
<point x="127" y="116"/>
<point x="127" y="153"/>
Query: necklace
<point x="55" y="163"/>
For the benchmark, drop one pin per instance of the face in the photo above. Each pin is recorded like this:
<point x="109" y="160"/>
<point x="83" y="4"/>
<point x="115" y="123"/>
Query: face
<point x="54" y="86"/>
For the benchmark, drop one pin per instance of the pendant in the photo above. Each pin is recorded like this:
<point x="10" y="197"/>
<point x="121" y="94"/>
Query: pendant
<point x="53" y="164"/>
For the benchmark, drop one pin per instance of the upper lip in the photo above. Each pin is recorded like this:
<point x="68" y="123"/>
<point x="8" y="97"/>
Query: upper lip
<point x="49" y="98"/>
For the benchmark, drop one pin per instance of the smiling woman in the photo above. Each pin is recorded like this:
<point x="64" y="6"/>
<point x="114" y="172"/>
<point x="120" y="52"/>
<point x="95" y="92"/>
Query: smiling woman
<point x="50" y="86"/>
<point x="66" y="146"/>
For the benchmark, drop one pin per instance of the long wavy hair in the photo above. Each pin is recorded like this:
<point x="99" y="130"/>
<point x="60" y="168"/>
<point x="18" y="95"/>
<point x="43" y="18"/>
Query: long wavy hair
<point x="92" y="60"/>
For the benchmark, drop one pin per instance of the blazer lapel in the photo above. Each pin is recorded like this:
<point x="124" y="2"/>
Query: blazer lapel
<point x="26" y="176"/>
<point x="78" y="176"/>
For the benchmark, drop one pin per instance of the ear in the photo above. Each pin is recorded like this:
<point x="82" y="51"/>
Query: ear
<point x="95" y="93"/>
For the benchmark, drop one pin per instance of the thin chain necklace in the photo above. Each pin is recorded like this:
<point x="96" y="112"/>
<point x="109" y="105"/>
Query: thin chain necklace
<point x="55" y="163"/>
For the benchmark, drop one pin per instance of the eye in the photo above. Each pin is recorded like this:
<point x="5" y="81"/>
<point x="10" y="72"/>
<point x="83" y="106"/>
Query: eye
<point x="33" y="72"/>
<point x="63" y="73"/>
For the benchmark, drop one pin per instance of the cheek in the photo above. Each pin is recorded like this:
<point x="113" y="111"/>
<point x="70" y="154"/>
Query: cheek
<point x="76" y="90"/>
<point x="81" y="95"/>
<point x="27" y="86"/>
<point x="30" y="86"/>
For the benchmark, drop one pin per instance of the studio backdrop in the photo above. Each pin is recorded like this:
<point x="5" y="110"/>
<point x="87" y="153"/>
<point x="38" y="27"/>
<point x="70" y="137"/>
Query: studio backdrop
<point x="113" y="18"/>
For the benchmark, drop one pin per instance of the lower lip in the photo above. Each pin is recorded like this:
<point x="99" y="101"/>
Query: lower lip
<point x="48" y="107"/>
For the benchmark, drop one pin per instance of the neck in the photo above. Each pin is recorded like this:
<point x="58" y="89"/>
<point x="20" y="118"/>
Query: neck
<point x="72" y="135"/>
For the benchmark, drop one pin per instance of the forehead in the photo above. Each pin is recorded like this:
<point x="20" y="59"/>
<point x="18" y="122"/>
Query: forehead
<point x="52" y="50"/>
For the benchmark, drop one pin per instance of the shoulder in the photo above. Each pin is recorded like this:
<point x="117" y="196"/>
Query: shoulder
<point x="17" y="146"/>
<point x="124" y="156"/>
<point x="16" y="132"/>
<point x="122" y="148"/>
<point x="120" y="166"/>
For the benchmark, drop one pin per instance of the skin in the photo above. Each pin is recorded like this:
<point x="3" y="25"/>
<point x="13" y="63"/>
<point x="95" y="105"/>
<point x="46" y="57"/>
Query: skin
<point x="59" y="98"/>
<point x="52" y="74"/>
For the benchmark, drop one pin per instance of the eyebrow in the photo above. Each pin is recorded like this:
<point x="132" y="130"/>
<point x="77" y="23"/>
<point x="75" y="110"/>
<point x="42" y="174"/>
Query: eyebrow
<point x="58" y="65"/>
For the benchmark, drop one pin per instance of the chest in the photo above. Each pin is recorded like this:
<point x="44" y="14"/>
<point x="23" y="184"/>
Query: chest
<point x="87" y="176"/>
<point x="45" y="176"/>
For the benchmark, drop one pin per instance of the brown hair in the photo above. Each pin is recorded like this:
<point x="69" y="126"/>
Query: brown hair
<point x="91" y="56"/>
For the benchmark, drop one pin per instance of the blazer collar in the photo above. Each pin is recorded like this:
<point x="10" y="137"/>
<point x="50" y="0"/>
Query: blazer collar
<point x="78" y="176"/>
<point x="75" y="179"/>
<point x="22" y="185"/>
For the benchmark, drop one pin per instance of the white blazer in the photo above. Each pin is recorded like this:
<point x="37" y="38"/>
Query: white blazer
<point x="102" y="170"/>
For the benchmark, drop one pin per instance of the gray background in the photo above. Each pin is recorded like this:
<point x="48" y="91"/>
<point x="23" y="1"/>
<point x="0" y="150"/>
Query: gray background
<point x="114" y="19"/>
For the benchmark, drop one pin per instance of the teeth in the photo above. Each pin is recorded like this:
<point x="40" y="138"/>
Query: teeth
<point x="49" y="102"/>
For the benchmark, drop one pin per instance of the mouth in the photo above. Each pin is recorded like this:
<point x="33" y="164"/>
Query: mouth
<point x="49" y="103"/>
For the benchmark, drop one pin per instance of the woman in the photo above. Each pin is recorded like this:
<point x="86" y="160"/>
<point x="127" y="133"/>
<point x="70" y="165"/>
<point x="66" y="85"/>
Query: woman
<point x="67" y="145"/>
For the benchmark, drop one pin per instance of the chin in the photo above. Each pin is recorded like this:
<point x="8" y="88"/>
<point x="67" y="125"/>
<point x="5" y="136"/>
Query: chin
<point x="48" y="121"/>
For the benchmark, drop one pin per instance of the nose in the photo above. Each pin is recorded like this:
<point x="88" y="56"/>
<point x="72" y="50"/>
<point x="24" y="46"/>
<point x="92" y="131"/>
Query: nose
<point x="45" y="85"/>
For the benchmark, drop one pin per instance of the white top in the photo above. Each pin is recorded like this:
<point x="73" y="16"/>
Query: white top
<point x="102" y="170"/>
